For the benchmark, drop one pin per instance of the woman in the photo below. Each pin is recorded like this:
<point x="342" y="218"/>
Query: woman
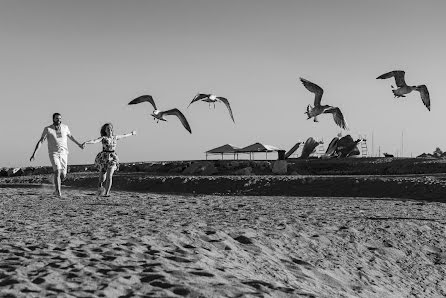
<point x="107" y="161"/>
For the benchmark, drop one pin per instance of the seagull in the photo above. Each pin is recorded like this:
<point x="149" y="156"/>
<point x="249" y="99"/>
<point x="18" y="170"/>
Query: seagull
<point x="293" y="149"/>
<point x="159" y="115"/>
<point x="321" y="109"/>
<point x="346" y="146"/>
<point x="404" y="89"/>
<point x="309" y="147"/>
<point x="331" y="150"/>
<point x="211" y="98"/>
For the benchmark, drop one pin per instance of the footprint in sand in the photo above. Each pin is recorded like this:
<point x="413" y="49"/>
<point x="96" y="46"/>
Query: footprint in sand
<point x="243" y="239"/>
<point x="202" y="273"/>
<point x="181" y="291"/>
<point x="161" y="284"/>
<point x="151" y="277"/>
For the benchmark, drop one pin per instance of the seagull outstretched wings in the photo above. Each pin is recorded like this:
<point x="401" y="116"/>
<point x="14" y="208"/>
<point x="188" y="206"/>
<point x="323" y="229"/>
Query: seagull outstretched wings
<point x="180" y="116"/>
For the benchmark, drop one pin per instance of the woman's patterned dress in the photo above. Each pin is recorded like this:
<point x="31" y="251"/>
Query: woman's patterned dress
<point x="107" y="158"/>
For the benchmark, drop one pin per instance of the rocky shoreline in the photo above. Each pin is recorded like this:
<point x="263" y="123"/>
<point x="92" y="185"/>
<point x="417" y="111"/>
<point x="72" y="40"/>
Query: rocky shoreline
<point x="420" y="187"/>
<point x="415" y="178"/>
<point x="334" y="166"/>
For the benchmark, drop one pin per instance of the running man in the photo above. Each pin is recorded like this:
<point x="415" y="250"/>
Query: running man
<point x="57" y="134"/>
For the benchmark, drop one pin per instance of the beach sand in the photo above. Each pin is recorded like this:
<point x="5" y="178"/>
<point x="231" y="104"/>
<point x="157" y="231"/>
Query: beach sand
<point x="154" y="245"/>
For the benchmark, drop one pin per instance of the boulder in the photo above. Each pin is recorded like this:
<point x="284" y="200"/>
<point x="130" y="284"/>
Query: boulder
<point x="200" y="168"/>
<point x="15" y="172"/>
<point x="145" y="167"/>
<point x="42" y="170"/>
<point x="28" y="171"/>
<point x="3" y="172"/>
<point x="244" y="171"/>
<point x="263" y="165"/>
<point x="176" y="170"/>
<point x="280" y="167"/>
<point x="128" y="167"/>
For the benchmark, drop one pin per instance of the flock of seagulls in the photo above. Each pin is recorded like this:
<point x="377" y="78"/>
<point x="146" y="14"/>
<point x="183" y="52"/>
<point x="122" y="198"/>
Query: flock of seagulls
<point x="311" y="111"/>
<point x="159" y="115"/>
<point x="401" y="91"/>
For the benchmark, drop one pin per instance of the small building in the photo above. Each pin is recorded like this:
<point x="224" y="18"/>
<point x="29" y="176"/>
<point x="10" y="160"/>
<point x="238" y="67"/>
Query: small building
<point x="226" y="149"/>
<point x="258" y="147"/>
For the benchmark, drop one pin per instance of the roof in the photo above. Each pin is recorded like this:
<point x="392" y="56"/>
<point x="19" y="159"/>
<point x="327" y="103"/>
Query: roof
<point x="227" y="148"/>
<point x="258" y="147"/>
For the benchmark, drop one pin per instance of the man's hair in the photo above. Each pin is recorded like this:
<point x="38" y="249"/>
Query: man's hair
<point x="103" y="133"/>
<point x="56" y="114"/>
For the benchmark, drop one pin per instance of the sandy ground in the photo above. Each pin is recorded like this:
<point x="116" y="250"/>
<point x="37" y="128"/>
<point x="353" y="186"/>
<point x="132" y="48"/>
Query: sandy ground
<point x="152" y="245"/>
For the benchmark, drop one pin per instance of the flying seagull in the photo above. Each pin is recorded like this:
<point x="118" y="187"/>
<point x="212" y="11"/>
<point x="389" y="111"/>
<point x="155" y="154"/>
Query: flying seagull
<point x="321" y="109"/>
<point x="346" y="146"/>
<point x="404" y="89"/>
<point x="211" y="98"/>
<point x="309" y="147"/>
<point x="159" y="115"/>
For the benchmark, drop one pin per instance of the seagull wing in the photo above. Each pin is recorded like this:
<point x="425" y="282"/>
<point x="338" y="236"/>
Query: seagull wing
<point x="397" y="74"/>
<point x="144" y="98"/>
<point x="332" y="146"/>
<point x="198" y="97"/>
<point x="337" y="117"/>
<point x="312" y="87"/>
<point x="425" y="96"/>
<point x="226" y="102"/>
<point x="309" y="146"/>
<point x="180" y="116"/>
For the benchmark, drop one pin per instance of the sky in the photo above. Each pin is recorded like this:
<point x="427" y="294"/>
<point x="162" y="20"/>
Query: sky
<point x="86" y="59"/>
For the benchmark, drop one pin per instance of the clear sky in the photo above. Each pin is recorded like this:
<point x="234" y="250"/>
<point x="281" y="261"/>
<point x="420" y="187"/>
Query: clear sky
<point x="88" y="58"/>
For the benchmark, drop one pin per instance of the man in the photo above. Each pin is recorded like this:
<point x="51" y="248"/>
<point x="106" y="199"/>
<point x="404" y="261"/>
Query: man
<point x="57" y="134"/>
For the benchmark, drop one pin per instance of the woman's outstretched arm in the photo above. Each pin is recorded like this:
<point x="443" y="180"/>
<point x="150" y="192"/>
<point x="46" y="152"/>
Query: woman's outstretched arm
<point x="94" y="141"/>
<point x="126" y="135"/>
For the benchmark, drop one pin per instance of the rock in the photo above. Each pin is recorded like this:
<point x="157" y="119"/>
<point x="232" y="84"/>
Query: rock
<point x="3" y="172"/>
<point x="176" y="170"/>
<point x="28" y="171"/>
<point x="280" y="167"/>
<point x="209" y="170"/>
<point x="15" y="172"/>
<point x="42" y="170"/>
<point x="145" y="167"/>
<point x="201" y="168"/>
<point x="131" y="167"/>
<point x="244" y="171"/>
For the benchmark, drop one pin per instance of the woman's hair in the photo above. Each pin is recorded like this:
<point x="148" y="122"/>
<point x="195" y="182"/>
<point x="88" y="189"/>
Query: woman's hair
<point x="104" y="127"/>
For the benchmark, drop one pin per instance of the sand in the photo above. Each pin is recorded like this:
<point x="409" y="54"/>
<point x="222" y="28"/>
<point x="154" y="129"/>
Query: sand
<point x="155" y="245"/>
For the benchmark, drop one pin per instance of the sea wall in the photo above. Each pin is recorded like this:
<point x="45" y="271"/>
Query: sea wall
<point x="344" y="166"/>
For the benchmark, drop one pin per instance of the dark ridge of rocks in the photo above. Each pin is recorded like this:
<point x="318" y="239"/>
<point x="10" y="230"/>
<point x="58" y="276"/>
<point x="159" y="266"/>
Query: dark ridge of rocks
<point x="332" y="166"/>
<point x="419" y="187"/>
<point x="412" y="178"/>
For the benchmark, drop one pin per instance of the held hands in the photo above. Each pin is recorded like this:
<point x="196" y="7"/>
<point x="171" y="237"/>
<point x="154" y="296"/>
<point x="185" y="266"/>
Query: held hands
<point x="82" y="146"/>
<point x="133" y="133"/>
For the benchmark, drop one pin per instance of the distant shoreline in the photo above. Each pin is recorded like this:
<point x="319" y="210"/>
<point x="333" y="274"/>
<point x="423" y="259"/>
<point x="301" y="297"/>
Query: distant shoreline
<point x="334" y="166"/>
<point x="419" y="187"/>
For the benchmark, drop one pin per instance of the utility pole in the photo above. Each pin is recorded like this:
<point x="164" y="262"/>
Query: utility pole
<point x="402" y="142"/>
